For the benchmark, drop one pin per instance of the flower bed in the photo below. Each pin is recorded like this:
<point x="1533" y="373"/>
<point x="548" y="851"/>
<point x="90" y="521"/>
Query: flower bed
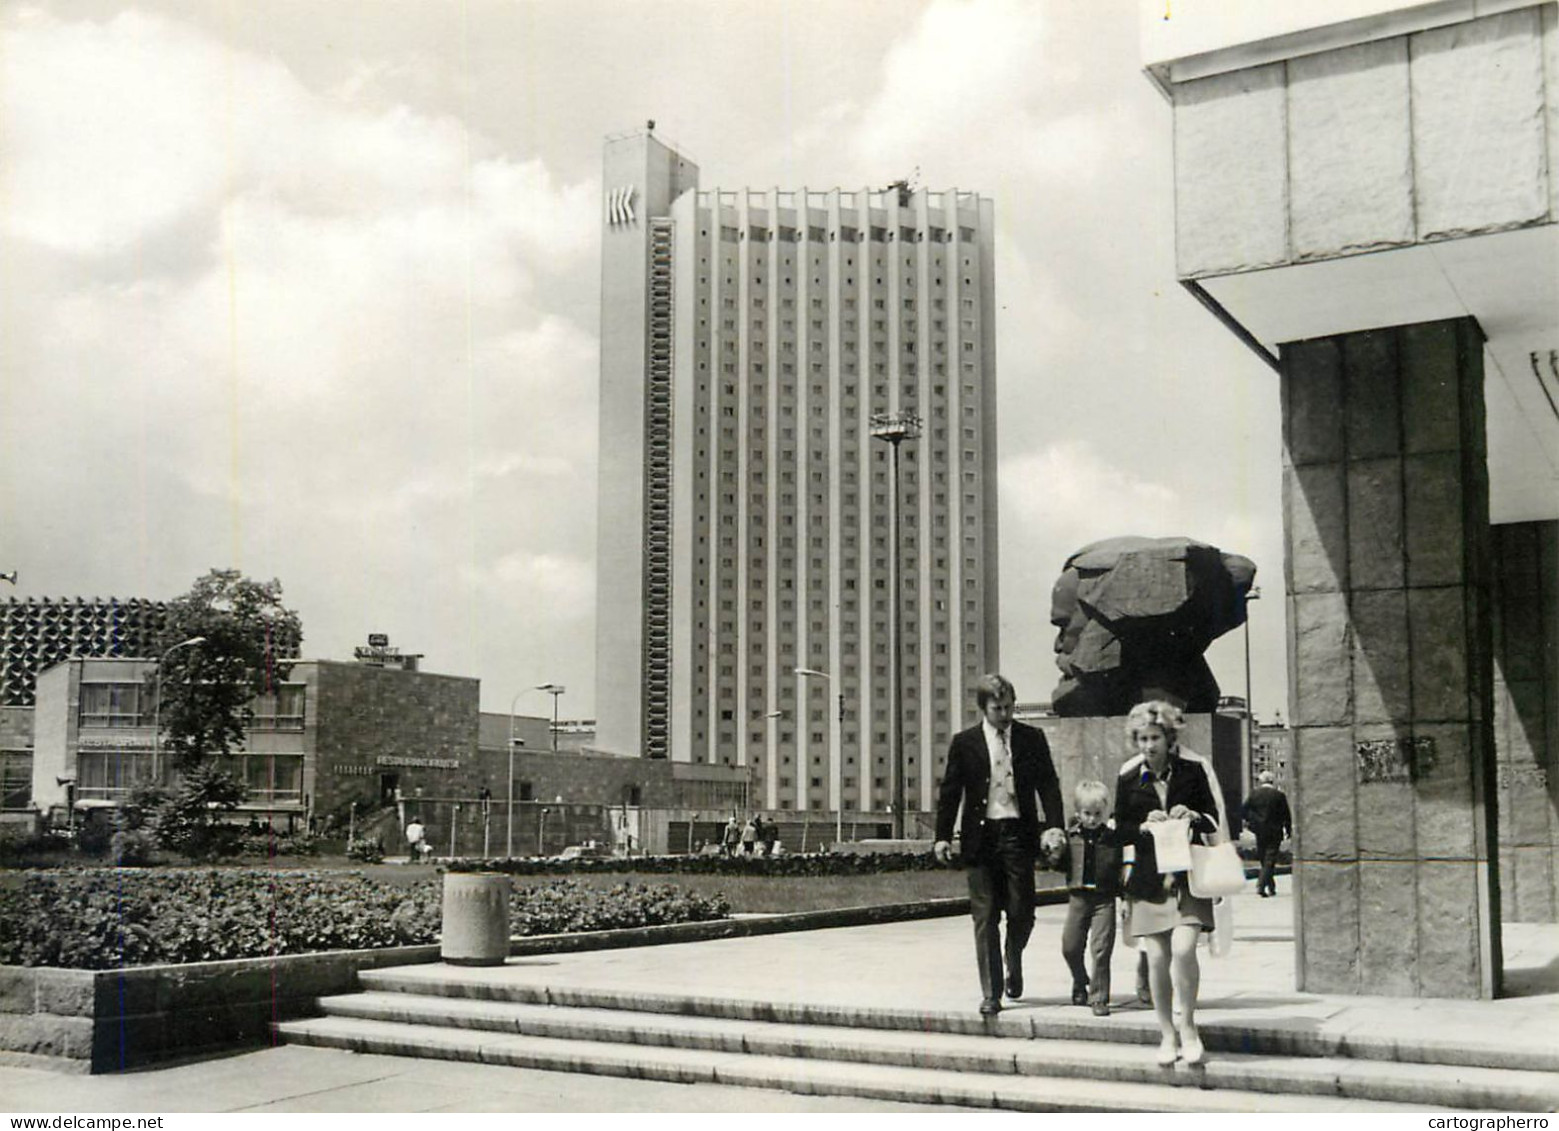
<point x="102" y="919"/>
<point x="791" y="864"/>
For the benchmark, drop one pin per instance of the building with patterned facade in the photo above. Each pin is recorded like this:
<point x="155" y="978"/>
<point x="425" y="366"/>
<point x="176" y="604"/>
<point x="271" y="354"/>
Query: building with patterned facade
<point x="748" y="339"/>
<point x="37" y="633"/>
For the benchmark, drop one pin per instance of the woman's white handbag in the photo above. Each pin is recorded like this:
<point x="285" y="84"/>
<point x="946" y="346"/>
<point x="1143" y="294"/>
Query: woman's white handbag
<point x="1216" y="869"/>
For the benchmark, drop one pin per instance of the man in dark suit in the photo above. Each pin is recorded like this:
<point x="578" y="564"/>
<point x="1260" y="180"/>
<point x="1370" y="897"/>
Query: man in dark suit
<point x="996" y="770"/>
<point x="1268" y="816"/>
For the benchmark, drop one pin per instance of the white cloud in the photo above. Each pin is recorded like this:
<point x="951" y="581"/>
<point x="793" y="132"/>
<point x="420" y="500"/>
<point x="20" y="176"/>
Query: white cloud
<point x="306" y="334"/>
<point x="267" y="299"/>
<point x="100" y="142"/>
<point x="552" y="587"/>
<point x="962" y="65"/>
<point x="1066" y="488"/>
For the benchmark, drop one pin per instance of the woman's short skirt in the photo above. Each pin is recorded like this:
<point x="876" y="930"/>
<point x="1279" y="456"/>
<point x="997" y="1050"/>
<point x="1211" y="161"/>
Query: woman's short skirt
<point x="1176" y="906"/>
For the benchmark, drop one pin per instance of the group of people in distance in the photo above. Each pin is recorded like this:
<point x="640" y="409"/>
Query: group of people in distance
<point x="747" y="838"/>
<point x="1000" y="776"/>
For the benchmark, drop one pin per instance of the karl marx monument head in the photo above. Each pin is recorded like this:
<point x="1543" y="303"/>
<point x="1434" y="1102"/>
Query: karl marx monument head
<point x="1134" y="616"/>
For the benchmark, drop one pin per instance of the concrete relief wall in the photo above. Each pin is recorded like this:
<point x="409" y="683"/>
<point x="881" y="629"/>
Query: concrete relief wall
<point x="1479" y="153"/>
<point x="1349" y="136"/>
<point x="1404" y="140"/>
<point x="1550" y="17"/>
<point x="1231" y="167"/>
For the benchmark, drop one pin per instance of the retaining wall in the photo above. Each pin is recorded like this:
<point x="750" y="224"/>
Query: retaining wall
<point x="111" y="1020"/>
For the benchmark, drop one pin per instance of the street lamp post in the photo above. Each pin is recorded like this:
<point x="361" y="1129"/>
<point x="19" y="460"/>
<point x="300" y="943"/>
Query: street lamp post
<point x="773" y="718"/>
<point x="1250" y="709"/>
<point x="835" y="751"/>
<point x="894" y="428"/>
<point x="157" y="707"/>
<point x="554" y="690"/>
<point x="509" y="835"/>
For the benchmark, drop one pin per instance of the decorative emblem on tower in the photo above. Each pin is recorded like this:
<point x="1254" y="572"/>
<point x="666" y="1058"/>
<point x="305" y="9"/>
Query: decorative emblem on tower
<point x="619" y="206"/>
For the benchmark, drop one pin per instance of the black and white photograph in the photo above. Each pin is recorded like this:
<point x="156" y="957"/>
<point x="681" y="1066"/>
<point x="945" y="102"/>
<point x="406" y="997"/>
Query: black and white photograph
<point x="733" y="558"/>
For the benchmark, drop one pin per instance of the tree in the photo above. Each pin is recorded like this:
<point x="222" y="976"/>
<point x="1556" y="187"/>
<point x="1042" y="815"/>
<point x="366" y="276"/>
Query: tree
<point x="248" y="641"/>
<point x="189" y="818"/>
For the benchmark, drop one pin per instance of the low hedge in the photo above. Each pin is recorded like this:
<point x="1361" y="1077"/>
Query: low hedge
<point x="789" y="864"/>
<point x="101" y="919"/>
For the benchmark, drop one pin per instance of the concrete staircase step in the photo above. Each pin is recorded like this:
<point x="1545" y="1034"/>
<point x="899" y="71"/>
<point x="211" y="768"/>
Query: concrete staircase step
<point x="1251" y="1033"/>
<point x="1177" y="1090"/>
<point x="1341" y="1077"/>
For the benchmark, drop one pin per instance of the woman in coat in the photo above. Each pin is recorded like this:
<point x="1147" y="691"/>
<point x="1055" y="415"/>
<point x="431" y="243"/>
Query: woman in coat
<point x="1161" y="783"/>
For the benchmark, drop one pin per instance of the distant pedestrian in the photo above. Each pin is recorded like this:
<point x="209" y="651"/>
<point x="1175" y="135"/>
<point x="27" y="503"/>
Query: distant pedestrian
<point x="749" y="836"/>
<point x="1267" y="815"/>
<point x="730" y="837"/>
<point x="417" y="841"/>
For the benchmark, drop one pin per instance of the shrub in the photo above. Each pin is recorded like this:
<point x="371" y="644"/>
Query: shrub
<point x="366" y="849"/>
<point x="566" y="906"/>
<point x="133" y="848"/>
<point x="266" y="844"/>
<point x="94" y="837"/>
<point x="190" y="821"/>
<point x="792" y="864"/>
<point x="28" y="848"/>
<point x="101" y="919"/>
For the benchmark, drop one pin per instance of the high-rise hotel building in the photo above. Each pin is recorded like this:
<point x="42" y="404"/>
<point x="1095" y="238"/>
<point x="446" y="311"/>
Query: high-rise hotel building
<point x="748" y="338"/>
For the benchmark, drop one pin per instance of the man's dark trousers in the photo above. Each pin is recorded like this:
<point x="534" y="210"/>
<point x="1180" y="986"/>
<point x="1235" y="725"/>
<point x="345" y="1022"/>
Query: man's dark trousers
<point x="1267" y="847"/>
<point x="1002" y="879"/>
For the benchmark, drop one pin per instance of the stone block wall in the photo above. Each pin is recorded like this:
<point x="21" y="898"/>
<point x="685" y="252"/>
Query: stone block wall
<point x="15" y="728"/>
<point x="1369" y="146"/>
<point x="1526" y="718"/>
<point x="364" y="713"/>
<point x="1386" y="518"/>
<point x="113" y="1020"/>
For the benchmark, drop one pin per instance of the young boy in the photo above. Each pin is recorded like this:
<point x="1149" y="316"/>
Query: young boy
<point x="1092" y="861"/>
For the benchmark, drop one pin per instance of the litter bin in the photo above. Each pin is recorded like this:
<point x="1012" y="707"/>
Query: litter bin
<point x="476" y="919"/>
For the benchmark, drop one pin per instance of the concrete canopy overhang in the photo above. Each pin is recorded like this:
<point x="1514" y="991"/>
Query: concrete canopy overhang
<point x="1508" y="281"/>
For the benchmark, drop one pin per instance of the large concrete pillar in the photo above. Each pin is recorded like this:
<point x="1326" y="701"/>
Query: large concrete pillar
<point x="1387" y="529"/>
<point x="1526" y="718"/>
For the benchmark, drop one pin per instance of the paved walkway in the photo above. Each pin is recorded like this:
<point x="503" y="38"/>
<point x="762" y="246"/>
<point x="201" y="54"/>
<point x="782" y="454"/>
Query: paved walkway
<point x="926" y="964"/>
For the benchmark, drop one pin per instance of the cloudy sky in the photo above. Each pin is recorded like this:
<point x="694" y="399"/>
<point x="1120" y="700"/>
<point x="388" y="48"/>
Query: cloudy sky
<point x="309" y="288"/>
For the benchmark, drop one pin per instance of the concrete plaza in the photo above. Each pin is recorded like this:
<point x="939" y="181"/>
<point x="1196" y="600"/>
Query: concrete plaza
<point x="918" y="965"/>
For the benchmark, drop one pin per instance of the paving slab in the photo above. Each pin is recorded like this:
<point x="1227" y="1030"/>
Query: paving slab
<point x="925" y="965"/>
<point x="297" y="1079"/>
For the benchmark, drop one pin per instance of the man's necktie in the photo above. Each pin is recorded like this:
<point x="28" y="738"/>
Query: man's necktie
<point x="1006" y="792"/>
